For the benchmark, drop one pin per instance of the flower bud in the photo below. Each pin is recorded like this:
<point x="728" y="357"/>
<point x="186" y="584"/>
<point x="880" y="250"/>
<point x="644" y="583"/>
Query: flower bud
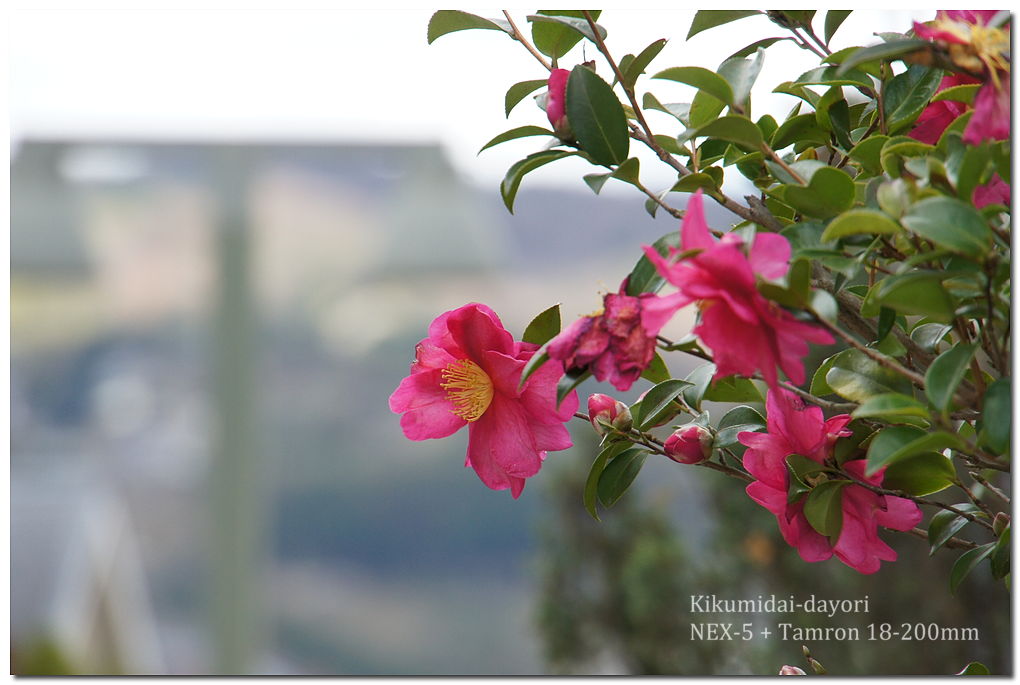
<point x="791" y="670"/>
<point x="556" y="103"/>
<point x="607" y="413"/>
<point x="1000" y="522"/>
<point x="689" y="445"/>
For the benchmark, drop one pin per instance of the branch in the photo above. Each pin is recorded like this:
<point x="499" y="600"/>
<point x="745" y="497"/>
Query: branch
<point x="518" y="36"/>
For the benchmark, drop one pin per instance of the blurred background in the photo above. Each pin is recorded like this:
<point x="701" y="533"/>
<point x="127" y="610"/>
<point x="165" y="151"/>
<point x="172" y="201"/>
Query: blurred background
<point x="228" y="231"/>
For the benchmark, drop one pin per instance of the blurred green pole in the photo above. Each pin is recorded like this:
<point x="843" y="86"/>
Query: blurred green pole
<point x="236" y="533"/>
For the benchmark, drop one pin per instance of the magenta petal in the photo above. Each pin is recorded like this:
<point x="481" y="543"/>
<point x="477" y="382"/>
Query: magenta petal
<point x="770" y="255"/>
<point x="991" y="113"/>
<point x="475" y="331"/>
<point x="656" y="311"/>
<point x="900" y="513"/>
<point x="694" y="233"/>
<point x="504" y="371"/>
<point x="427" y="412"/>
<point x="501" y="447"/>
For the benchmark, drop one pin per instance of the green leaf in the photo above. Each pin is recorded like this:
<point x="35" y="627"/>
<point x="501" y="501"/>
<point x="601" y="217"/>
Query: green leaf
<point x="923" y="474"/>
<point x="884" y="51"/>
<point x="964" y="93"/>
<point x="945" y="374"/>
<point x="967" y="562"/>
<point x="907" y="94"/>
<point x="656" y="371"/>
<point x="896" y="443"/>
<point x="733" y="389"/>
<point x="823" y="508"/>
<point x="753" y="47"/>
<point x="448" y="21"/>
<point x="833" y="20"/>
<point x="916" y="292"/>
<point x="519" y="91"/>
<point x="741" y="75"/>
<point x="519" y="132"/>
<point x="834" y="76"/>
<point x="596" y="117"/>
<point x="829" y="193"/>
<point x="795" y="129"/>
<point x="644" y="278"/>
<point x="890" y="405"/>
<point x="868" y="153"/>
<point x="704" y="109"/>
<point x="619" y="475"/>
<point x="951" y="224"/>
<point x="858" y="221"/>
<point x="929" y="335"/>
<point x="735" y="421"/>
<point x="707" y="19"/>
<point x="591" y="484"/>
<point x="1001" y="554"/>
<point x="568" y="383"/>
<point x="657" y="399"/>
<point x="680" y="110"/>
<point x="641" y="62"/>
<point x="699" y="378"/>
<point x="540" y="357"/>
<point x="975" y="668"/>
<point x="945" y="524"/>
<point x="819" y="387"/>
<point x="691" y="182"/>
<point x="702" y="79"/>
<point x="973" y="167"/>
<point x="543" y="327"/>
<point x="997" y="417"/>
<point x="556" y="31"/>
<point x="735" y="129"/>
<point x="857" y="377"/>
<point x="514" y="175"/>
<point x="627" y="172"/>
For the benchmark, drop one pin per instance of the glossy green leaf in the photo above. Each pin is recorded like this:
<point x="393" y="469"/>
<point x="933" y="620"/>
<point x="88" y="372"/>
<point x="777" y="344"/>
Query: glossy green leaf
<point x="920" y="475"/>
<point x="741" y="75"/>
<point x="704" y="109"/>
<point x="657" y="399"/>
<point x="819" y="387"/>
<point x="568" y="383"/>
<point x="974" y="167"/>
<point x="945" y="374"/>
<point x="543" y="327"/>
<point x="619" y="474"/>
<point x="591" y="484"/>
<point x="917" y="292"/>
<point x="1001" y="554"/>
<point x="834" y="76"/>
<point x="890" y="406"/>
<point x="596" y="117"/>
<point x="702" y="79"/>
<point x="896" y="443"/>
<point x="644" y="278"/>
<point x="691" y="182"/>
<point x="798" y="128"/>
<point x="884" y="51"/>
<point x="829" y="193"/>
<point x="700" y="378"/>
<point x="753" y="47"/>
<point x="997" y="417"/>
<point x="833" y="20"/>
<point x="857" y="377"/>
<point x="735" y="129"/>
<point x="512" y="181"/>
<point x="945" y="524"/>
<point x="448" y="21"/>
<point x="975" y="668"/>
<point x="680" y="110"/>
<point x="656" y="371"/>
<point x="907" y="94"/>
<point x="964" y="93"/>
<point x="868" y="153"/>
<point x="707" y="19"/>
<point x="733" y="389"/>
<point x="967" y="562"/>
<point x="627" y="172"/>
<point x="735" y="421"/>
<point x="929" y="335"/>
<point x="823" y="508"/>
<point x="641" y="62"/>
<point x="554" y="32"/>
<point x="540" y="357"/>
<point x="519" y="132"/>
<point x="858" y="221"/>
<point x="519" y="91"/>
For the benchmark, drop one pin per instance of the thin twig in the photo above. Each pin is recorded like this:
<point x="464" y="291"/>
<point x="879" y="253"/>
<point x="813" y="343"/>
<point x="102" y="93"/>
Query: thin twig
<point x="988" y="486"/>
<point x="518" y="36"/>
<point x="952" y="543"/>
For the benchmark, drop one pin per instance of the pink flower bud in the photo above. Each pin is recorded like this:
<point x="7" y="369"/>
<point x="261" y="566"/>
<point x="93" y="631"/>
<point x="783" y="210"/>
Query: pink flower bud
<point x="606" y="413"/>
<point x="791" y="670"/>
<point x="689" y="445"/>
<point x="556" y="103"/>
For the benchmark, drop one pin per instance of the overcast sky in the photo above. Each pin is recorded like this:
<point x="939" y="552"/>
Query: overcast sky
<point x="342" y="75"/>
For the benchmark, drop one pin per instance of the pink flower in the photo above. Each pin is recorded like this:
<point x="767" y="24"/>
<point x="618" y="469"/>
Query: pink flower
<point x="616" y="344"/>
<point x="556" y="102"/>
<point x="689" y="445"/>
<point x="605" y="412"/>
<point x="466" y="372"/>
<point x="794" y="428"/>
<point x="937" y="116"/>
<point x="745" y="331"/>
<point x="995" y="191"/>
<point x="983" y="52"/>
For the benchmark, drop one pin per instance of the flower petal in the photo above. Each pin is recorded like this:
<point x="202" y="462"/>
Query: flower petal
<point x="427" y="412"/>
<point x="770" y="255"/>
<point x="694" y="233"/>
<point x="501" y="446"/>
<point x="476" y="329"/>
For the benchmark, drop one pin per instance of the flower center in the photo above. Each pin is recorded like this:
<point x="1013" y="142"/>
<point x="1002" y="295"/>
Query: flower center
<point x="468" y="387"/>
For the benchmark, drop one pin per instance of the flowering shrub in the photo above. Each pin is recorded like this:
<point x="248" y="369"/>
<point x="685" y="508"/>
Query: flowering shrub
<point x="879" y="232"/>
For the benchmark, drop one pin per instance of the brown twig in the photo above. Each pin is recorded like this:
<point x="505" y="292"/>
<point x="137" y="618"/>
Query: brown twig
<point x="519" y="37"/>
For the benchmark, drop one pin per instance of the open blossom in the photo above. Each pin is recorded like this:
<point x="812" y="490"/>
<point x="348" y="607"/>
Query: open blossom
<point x="616" y="344"/>
<point x="466" y="373"/>
<point x="794" y="428"/>
<point x="556" y="102"/>
<point x="982" y="51"/>
<point x="745" y="331"/>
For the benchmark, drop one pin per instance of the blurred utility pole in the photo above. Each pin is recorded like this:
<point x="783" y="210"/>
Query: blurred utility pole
<point x="237" y="555"/>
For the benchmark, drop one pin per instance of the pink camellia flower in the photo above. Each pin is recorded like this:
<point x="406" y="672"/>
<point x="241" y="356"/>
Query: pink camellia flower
<point x="995" y="192"/>
<point x="937" y="116"/>
<point x="689" y="445"/>
<point x="466" y="372"/>
<point x="616" y="344"/>
<point x="983" y="52"/>
<point x="791" y="670"/>
<point x="556" y="103"/>
<point x="794" y="428"/>
<point x="605" y="412"/>
<point x="745" y="331"/>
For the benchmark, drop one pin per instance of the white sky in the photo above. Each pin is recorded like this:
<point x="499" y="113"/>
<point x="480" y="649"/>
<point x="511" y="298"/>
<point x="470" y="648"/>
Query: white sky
<point x="343" y="74"/>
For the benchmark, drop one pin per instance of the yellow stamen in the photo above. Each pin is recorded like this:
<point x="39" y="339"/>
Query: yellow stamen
<point x="468" y="387"/>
